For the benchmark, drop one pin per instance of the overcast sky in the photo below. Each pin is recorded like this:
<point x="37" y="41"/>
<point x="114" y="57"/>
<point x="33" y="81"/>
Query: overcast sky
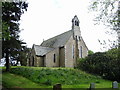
<point x="47" y="18"/>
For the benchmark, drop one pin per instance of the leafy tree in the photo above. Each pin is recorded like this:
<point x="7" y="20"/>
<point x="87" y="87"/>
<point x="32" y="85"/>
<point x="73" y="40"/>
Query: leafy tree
<point x="11" y="45"/>
<point x="104" y="64"/>
<point x="90" y="52"/>
<point x="108" y="11"/>
<point x="109" y="14"/>
<point x="23" y="56"/>
<point x="0" y="30"/>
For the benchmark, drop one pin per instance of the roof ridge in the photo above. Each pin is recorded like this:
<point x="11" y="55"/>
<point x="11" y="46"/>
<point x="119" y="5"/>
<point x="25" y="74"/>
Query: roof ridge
<point x="84" y="42"/>
<point x="42" y="46"/>
<point x="56" y="36"/>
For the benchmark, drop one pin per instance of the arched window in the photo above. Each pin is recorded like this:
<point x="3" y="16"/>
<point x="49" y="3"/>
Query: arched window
<point x="76" y="37"/>
<point x="79" y="38"/>
<point x="33" y="61"/>
<point x="54" y="58"/>
<point x="29" y="62"/>
<point x="75" y="22"/>
<point x="73" y="51"/>
<point x="80" y="52"/>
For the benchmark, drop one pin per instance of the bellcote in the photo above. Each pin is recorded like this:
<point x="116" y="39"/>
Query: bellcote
<point x="76" y="28"/>
<point x="75" y="21"/>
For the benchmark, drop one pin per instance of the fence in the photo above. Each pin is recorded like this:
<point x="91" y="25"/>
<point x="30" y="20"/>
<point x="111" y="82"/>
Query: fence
<point x="92" y="86"/>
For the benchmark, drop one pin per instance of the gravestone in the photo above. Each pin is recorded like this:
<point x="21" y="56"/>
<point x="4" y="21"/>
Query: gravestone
<point x="19" y="64"/>
<point x="57" y="87"/>
<point x="92" y="86"/>
<point x="115" y="84"/>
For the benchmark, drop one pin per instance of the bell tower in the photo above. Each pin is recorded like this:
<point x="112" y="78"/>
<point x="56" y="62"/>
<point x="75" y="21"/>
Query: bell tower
<point x="76" y="37"/>
<point x="76" y="28"/>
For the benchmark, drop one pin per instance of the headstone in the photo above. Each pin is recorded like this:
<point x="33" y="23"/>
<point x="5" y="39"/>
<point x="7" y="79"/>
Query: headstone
<point x="92" y="86"/>
<point x="115" y="84"/>
<point x="19" y="64"/>
<point x="57" y="87"/>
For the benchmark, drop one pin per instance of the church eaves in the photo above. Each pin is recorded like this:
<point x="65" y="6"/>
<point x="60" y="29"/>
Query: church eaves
<point x="41" y="51"/>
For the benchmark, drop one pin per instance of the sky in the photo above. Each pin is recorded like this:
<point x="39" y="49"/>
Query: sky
<point x="47" y="18"/>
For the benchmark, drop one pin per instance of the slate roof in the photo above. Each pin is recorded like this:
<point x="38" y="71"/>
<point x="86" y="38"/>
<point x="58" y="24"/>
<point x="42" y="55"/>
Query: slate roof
<point x="54" y="42"/>
<point x="41" y="51"/>
<point x="58" y="41"/>
<point x="84" y="43"/>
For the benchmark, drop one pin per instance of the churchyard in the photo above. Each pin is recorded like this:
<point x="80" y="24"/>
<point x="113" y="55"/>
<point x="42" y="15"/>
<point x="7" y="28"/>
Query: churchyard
<point x="44" y="77"/>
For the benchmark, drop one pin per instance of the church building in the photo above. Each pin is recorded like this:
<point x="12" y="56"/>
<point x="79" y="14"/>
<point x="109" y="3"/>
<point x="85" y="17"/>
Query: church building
<point x="60" y="51"/>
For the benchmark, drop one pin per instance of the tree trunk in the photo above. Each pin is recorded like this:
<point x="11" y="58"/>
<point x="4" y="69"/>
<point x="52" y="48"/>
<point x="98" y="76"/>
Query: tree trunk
<point x="7" y="61"/>
<point x="118" y="32"/>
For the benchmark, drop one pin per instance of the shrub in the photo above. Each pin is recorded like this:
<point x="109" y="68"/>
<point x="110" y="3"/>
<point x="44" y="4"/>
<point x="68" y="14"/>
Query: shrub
<point x="104" y="64"/>
<point x="48" y="82"/>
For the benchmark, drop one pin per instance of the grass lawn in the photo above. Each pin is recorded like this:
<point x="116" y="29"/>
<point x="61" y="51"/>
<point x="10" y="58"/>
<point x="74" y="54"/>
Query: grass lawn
<point x="10" y="80"/>
<point x="71" y="78"/>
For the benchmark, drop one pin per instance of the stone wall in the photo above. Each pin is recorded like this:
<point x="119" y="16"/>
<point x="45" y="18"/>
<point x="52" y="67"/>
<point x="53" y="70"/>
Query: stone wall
<point x="63" y="56"/>
<point x="69" y="60"/>
<point x="84" y="50"/>
<point x="40" y="61"/>
<point x="32" y="56"/>
<point x="50" y="58"/>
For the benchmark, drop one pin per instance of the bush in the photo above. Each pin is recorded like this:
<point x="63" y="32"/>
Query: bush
<point x="104" y="64"/>
<point x="48" y="82"/>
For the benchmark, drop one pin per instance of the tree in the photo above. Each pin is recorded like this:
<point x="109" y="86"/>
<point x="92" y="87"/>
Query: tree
<point x="0" y="29"/>
<point x="108" y="11"/>
<point x="109" y="14"/>
<point x="11" y="45"/>
<point x="90" y="52"/>
<point x="102" y="63"/>
<point x="23" y="55"/>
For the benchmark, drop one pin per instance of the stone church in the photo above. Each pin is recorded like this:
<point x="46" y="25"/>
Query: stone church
<point x="60" y="51"/>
